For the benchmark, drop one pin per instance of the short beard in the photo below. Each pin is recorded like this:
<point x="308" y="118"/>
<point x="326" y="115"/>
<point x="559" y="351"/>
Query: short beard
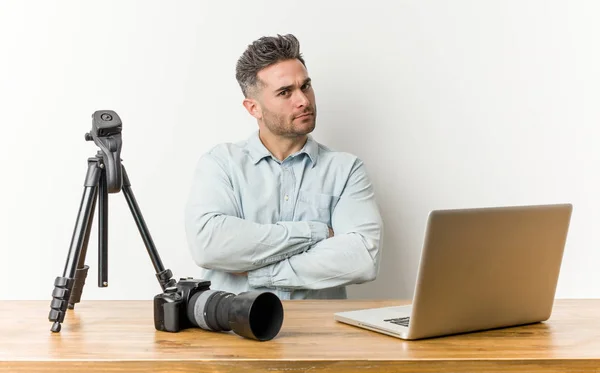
<point x="282" y="126"/>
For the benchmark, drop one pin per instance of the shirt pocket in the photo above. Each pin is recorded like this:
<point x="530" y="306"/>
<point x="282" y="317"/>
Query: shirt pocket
<point x="313" y="206"/>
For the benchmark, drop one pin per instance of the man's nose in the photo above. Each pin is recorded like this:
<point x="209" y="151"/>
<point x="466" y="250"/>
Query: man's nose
<point x="301" y="99"/>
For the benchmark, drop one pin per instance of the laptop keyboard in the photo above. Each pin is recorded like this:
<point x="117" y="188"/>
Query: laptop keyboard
<point x="403" y="321"/>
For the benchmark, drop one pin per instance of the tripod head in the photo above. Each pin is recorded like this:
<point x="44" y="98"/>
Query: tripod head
<point x="106" y="134"/>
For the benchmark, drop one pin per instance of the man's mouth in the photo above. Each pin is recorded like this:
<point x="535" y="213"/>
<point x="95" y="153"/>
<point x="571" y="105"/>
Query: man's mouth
<point x="304" y="115"/>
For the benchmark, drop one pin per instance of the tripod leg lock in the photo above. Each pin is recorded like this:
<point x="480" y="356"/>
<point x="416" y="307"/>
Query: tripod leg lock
<point x="60" y="299"/>
<point x="80" y="276"/>
<point x="165" y="280"/>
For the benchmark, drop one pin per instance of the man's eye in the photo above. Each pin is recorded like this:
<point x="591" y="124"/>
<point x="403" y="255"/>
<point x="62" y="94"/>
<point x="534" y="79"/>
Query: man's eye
<point x="306" y="86"/>
<point x="283" y="93"/>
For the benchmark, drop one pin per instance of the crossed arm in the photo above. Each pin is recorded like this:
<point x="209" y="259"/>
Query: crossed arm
<point x="287" y="255"/>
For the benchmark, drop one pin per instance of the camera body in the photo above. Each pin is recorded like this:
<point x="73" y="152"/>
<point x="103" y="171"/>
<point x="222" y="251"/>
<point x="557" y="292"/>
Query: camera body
<point x="170" y="307"/>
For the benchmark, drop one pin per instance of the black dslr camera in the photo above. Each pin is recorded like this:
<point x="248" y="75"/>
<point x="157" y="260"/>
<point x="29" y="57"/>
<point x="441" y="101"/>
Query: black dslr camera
<point x="191" y="303"/>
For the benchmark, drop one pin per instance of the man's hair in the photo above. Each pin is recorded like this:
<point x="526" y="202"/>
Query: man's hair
<point x="262" y="53"/>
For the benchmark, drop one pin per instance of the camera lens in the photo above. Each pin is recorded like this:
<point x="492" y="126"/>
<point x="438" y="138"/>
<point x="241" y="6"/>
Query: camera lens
<point x="254" y="315"/>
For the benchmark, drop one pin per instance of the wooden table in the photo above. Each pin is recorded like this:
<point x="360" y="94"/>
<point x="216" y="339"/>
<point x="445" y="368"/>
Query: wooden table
<point x="120" y="336"/>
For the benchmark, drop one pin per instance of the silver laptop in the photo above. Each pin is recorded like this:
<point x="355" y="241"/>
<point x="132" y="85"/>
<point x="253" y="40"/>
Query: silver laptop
<point x="480" y="269"/>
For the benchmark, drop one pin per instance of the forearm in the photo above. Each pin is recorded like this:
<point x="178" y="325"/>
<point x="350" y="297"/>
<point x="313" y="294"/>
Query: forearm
<point x="233" y="244"/>
<point x="341" y="260"/>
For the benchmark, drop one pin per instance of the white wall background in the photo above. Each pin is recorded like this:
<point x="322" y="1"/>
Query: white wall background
<point x="450" y="104"/>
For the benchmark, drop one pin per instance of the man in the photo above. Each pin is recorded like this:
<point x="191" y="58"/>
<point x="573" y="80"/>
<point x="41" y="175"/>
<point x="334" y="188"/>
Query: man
<point x="279" y="211"/>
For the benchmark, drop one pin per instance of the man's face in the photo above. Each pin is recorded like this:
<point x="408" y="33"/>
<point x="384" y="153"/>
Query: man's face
<point x="286" y="100"/>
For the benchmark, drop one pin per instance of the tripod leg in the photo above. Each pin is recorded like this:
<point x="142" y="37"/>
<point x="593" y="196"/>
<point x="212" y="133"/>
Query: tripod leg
<point x="82" y="268"/>
<point x="163" y="275"/>
<point x="103" y="232"/>
<point x="63" y="286"/>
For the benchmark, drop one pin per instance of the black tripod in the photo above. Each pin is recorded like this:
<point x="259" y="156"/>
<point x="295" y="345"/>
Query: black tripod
<point x="105" y="175"/>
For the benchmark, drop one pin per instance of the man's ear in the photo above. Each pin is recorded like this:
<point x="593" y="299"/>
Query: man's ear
<point x="253" y="107"/>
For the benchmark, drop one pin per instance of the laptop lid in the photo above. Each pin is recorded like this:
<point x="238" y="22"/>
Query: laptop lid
<point x="488" y="267"/>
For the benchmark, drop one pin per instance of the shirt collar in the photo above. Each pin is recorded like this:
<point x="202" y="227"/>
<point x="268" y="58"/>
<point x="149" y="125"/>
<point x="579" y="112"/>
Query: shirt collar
<point x="258" y="151"/>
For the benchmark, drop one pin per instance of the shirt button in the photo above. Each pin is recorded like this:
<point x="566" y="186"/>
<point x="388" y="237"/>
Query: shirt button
<point x="286" y="197"/>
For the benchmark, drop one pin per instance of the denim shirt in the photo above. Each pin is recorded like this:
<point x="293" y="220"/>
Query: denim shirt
<point x="250" y="213"/>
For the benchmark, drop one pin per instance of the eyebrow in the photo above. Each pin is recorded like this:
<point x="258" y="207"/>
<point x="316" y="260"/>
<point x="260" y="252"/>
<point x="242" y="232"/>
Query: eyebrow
<point x="287" y="87"/>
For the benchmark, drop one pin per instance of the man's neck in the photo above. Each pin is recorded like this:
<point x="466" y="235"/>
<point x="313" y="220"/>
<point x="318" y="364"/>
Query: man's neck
<point x="281" y="147"/>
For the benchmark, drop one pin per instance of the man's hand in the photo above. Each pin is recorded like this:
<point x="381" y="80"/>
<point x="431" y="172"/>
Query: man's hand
<point x="330" y="232"/>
